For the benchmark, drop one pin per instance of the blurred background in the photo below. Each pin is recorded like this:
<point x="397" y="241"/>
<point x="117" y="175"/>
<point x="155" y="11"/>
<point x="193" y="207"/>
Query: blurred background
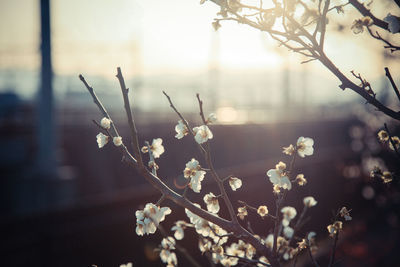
<point x="64" y="202"/>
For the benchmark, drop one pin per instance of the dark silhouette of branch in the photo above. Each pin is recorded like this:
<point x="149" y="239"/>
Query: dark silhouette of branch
<point x="389" y="76"/>
<point x="131" y="122"/>
<point x="298" y="35"/>
<point x="366" y="12"/>
<point x="391" y="140"/>
<point x="389" y="45"/>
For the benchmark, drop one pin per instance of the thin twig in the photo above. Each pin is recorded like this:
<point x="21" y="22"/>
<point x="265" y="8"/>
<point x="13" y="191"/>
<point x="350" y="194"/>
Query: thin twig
<point x="391" y="140"/>
<point x="213" y="172"/>
<point x="334" y="245"/>
<point x="323" y="25"/>
<point x="394" y="86"/>
<point x="389" y="45"/>
<point x="131" y="122"/>
<point x="367" y="13"/>
<point x="247" y="260"/>
<point x="312" y="257"/>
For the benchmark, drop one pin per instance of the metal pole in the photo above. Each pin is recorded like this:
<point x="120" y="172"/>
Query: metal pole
<point x="45" y="121"/>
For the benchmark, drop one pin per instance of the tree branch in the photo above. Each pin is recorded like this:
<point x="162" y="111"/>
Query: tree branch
<point x="389" y="76"/>
<point x="366" y="12"/>
<point x="131" y="122"/>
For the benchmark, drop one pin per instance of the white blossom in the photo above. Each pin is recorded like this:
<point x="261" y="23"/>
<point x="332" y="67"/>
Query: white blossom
<point x="168" y="243"/>
<point x="181" y="130"/>
<point x="129" y="264"/>
<point x="212" y="118"/>
<point x="359" y="24"/>
<point x="262" y="211"/>
<point x="311" y="236"/>
<point x="288" y="232"/>
<point x="309" y="202"/>
<point x="194" y="219"/>
<point x="195" y="174"/>
<point x="149" y="218"/>
<point x="242" y="212"/>
<point x="157" y="148"/>
<point x="278" y="176"/>
<point x="262" y="259"/>
<point x="105" y="123"/>
<point x="305" y="146"/>
<point x="204" y="245"/>
<point x="300" y="180"/>
<point x="101" y="139"/>
<point x="269" y="241"/>
<point x="288" y="214"/>
<point x="235" y="250"/>
<point x="212" y="202"/>
<point x="117" y="140"/>
<point x="235" y="183"/>
<point x="345" y="213"/>
<point x="202" y="134"/>
<point x="217" y="254"/>
<point x="179" y="228"/>
<point x="393" y="23"/>
<point x="168" y="257"/>
<point x="289" y="150"/>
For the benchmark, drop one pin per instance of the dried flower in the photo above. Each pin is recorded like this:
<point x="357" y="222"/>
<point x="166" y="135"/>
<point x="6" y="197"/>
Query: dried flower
<point x="383" y="136"/>
<point x="387" y="177"/>
<point x="396" y="142"/>
<point x="302" y="244"/>
<point x="334" y="228"/>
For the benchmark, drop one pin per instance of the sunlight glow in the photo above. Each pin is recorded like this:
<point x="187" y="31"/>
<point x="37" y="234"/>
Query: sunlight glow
<point x="227" y="114"/>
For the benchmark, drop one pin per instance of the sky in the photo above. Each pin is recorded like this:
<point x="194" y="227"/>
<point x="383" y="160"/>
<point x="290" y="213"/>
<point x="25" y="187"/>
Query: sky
<point x="156" y="37"/>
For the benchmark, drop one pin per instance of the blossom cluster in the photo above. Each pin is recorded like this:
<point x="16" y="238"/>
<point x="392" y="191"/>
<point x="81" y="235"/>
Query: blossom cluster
<point x="148" y="219"/>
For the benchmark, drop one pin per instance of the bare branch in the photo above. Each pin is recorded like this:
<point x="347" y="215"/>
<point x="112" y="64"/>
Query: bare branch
<point x="389" y="45"/>
<point x="213" y="172"/>
<point x="389" y="76"/>
<point x="366" y="12"/>
<point x="391" y="141"/>
<point x="131" y="122"/>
